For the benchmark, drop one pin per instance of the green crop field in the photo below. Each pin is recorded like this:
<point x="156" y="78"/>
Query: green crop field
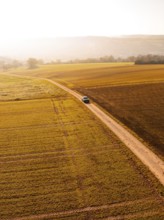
<point x="134" y="94"/>
<point x="58" y="161"/>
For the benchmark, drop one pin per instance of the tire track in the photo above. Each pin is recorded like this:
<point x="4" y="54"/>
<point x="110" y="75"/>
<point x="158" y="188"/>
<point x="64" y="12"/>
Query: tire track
<point x="150" y="159"/>
<point x="51" y="155"/>
<point x="91" y="209"/>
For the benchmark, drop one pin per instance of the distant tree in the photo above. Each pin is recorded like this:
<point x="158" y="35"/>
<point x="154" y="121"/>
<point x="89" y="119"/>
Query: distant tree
<point x="58" y="61"/>
<point x="131" y="59"/>
<point x="16" y="64"/>
<point x="140" y="59"/>
<point x="150" y="59"/>
<point x="32" y="63"/>
<point x="40" y="62"/>
<point x="8" y="64"/>
<point x="6" y="67"/>
<point x="2" y="64"/>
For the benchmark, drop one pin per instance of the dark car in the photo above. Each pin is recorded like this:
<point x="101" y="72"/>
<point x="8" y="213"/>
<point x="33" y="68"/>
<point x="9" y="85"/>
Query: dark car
<point x="85" y="99"/>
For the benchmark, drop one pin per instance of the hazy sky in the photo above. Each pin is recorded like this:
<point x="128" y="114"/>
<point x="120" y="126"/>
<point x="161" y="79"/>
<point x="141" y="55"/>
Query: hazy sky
<point x="53" y="18"/>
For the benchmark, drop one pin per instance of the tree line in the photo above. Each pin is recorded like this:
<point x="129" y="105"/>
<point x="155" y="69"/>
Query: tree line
<point x="32" y="63"/>
<point x="8" y="64"/>
<point x="140" y="59"/>
<point x="150" y="59"/>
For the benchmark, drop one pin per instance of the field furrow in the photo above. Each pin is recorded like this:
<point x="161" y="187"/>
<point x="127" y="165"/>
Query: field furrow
<point x="58" y="161"/>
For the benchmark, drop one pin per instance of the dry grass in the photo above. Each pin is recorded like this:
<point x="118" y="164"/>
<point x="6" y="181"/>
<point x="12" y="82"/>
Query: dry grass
<point x="21" y="89"/>
<point x="105" y="74"/>
<point x="56" y="156"/>
<point x="131" y="93"/>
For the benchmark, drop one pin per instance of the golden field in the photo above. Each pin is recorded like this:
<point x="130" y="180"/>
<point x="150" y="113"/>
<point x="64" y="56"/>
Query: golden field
<point x="59" y="162"/>
<point x="133" y="94"/>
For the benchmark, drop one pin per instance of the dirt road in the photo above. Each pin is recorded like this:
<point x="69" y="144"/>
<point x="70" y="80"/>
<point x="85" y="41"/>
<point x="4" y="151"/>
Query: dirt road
<point x="152" y="161"/>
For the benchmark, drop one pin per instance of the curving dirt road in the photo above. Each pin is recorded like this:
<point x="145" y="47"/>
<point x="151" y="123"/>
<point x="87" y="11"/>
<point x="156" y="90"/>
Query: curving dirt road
<point x="152" y="161"/>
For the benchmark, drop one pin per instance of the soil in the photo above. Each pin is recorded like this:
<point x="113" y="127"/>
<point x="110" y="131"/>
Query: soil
<point x="151" y="160"/>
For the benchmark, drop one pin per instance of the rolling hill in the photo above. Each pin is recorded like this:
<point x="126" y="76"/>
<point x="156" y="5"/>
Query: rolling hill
<point x="68" y="48"/>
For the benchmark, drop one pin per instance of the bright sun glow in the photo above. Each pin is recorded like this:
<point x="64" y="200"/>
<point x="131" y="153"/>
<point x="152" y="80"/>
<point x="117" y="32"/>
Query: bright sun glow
<point x="23" y="19"/>
<point x="53" y="18"/>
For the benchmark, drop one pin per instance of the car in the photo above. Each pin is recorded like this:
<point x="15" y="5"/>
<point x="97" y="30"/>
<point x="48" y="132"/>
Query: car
<point x="85" y="99"/>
